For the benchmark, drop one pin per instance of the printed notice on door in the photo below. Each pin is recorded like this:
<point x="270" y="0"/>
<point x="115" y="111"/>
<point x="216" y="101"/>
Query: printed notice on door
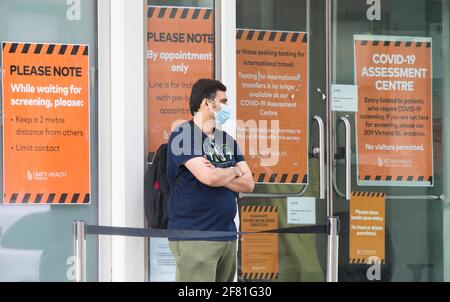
<point x="46" y="149"/>
<point x="180" y="51"/>
<point x="394" y="121"/>
<point x="272" y="104"/>
<point x="259" y="252"/>
<point x="367" y="228"/>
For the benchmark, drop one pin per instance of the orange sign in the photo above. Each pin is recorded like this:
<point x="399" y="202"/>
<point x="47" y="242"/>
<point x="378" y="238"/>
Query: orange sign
<point x="394" y="122"/>
<point x="46" y="149"/>
<point x="180" y="51"/>
<point x="259" y="252"/>
<point x="367" y="228"/>
<point x="272" y="104"/>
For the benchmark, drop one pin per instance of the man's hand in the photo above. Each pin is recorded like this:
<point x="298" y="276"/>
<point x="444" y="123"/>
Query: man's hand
<point x="243" y="183"/>
<point x="237" y="171"/>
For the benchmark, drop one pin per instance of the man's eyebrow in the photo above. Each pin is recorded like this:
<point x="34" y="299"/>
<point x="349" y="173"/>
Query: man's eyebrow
<point x="224" y="100"/>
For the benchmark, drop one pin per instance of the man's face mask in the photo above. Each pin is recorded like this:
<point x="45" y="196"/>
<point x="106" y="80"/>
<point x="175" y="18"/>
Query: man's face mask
<point x="223" y="115"/>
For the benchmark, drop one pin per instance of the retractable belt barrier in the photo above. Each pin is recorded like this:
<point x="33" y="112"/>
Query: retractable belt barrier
<point x="81" y="229"/>
<point x="188" y="234"/>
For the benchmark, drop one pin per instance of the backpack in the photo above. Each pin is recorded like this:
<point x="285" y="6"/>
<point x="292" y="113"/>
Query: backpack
<point x="157" y="190"/>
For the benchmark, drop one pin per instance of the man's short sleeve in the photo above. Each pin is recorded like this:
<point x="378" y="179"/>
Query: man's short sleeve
<point x="181" y="147"/>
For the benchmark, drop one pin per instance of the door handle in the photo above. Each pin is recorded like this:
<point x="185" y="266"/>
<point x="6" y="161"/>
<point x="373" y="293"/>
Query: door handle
<point x="348" y="156"/>
<point x="321" y="151"/>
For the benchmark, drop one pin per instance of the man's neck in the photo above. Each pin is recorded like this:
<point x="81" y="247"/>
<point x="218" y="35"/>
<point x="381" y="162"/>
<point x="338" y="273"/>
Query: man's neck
<point x="207" y="125"/>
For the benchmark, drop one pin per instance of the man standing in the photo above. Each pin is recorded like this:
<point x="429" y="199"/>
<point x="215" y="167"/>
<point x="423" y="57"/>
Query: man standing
<point x="205" y="170"/>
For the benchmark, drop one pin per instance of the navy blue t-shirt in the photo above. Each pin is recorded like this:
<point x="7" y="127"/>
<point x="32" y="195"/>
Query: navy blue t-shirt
<point x="193" y="205"/>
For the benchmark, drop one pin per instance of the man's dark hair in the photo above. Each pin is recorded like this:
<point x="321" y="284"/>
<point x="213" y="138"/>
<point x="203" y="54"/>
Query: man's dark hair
<point x="204" y="88"/>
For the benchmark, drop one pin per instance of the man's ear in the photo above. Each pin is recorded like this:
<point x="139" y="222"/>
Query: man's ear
<point x="202" y="104"/>
<point x="206" y="103"/>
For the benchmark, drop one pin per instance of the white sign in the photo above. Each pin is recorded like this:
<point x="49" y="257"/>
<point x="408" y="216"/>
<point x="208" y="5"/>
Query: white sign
<point x="162" y="262"/>
<point x="301" y="210"/>
<point x="345" y="98"/>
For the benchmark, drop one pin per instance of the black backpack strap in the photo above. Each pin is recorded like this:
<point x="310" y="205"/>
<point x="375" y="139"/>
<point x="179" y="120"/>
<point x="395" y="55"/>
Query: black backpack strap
<point x="183" y="168"/>
<point x="178" y="177"/>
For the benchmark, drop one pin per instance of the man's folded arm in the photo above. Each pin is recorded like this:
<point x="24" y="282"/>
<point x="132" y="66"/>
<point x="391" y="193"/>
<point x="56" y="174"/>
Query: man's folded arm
<point x="209" y="175"/>
<point x="244" y="183"/>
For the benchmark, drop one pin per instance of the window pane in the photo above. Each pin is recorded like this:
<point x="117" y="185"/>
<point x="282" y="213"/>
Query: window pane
<point x="36" y="240"/>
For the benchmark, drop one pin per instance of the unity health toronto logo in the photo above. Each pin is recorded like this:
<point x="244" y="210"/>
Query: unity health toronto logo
<point x="44" y="175"/>
<point x="29" y="175"/>
<point x="37" y="176"/>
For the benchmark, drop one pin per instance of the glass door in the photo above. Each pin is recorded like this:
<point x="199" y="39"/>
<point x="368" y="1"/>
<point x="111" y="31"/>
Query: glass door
<point x="184" y="18"/>
<point x="389" y="187"/>
<point x="377" y="89"/>
<point x="281" y="114"/>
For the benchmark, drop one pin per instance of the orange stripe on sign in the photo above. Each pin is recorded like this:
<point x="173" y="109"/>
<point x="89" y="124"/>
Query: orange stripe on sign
<point x="13" y="47"/>
<point x="208" y="14"/>
<point x="270" y="36"/>
<point x="150" y="12"/>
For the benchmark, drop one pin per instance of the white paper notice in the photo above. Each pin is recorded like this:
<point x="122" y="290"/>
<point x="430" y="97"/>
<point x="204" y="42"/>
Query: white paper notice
<point x="301" y="210"/>
<point x="345" y="98"/>
<point x="162" y="262"/>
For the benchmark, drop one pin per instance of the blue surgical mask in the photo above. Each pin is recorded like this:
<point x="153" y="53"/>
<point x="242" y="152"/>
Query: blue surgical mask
<point x="223" y="115"/>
